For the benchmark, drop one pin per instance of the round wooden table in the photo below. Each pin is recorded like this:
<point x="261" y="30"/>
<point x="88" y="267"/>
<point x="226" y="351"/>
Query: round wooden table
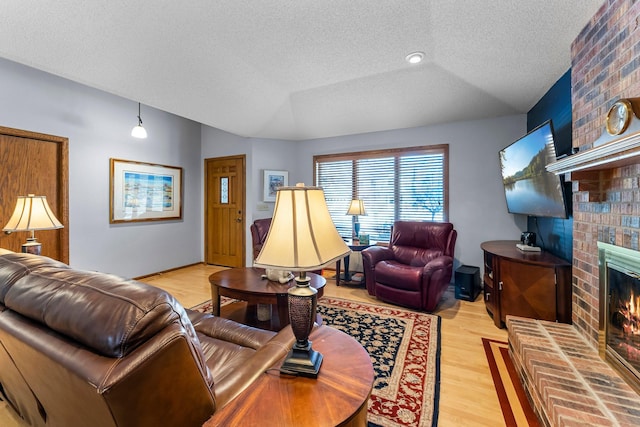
<point x="338" y="397"/>
<point x="247" y="284"/>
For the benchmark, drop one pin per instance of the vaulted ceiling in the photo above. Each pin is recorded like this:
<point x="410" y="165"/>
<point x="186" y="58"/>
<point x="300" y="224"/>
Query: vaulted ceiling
<point x="301" y="69"/>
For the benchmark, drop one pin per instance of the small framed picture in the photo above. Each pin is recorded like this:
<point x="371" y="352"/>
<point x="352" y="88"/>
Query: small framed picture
<point x="273" y="180"/>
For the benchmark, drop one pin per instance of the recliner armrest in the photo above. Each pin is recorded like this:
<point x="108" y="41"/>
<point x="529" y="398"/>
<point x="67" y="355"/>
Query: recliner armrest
<point x="375" y="254"/>
<point x="370" y="257"/>
<point x="439" y="263"/>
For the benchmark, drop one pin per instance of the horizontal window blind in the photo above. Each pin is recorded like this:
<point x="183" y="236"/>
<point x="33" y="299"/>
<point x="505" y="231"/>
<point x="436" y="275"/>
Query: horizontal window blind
<point x="403" y="184"/>
<point x="337" y="186"/>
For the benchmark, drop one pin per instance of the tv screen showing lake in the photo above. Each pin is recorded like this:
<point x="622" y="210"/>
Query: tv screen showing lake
<point x="538" y="196"/>
<point x="529" y="188"/>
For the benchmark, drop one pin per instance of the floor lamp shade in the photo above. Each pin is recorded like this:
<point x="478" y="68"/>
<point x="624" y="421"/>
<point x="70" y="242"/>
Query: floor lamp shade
<point x="301" y="237"/>
<point x="32" y="213"/>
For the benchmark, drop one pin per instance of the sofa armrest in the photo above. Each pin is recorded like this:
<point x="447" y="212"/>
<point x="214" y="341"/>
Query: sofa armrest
<point x="269" y="346"/>
<point x="237" y="380"/>
<point x="230" y="331"/>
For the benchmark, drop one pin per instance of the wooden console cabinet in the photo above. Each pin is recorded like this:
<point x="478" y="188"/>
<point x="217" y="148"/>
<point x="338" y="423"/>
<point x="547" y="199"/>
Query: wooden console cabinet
<point x="528" y="284"/>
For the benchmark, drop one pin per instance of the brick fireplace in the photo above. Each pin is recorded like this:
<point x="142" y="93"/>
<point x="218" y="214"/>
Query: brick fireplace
<point x="567" y="379"/>
<point x="606" y="202"/>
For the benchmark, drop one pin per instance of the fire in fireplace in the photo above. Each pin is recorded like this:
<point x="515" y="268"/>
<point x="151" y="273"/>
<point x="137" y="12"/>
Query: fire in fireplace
<point x="620" y="310"/>
<point x="623" y="330"/>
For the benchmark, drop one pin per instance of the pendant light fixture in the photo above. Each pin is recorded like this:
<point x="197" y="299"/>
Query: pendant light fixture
<point x="138" y="131"/>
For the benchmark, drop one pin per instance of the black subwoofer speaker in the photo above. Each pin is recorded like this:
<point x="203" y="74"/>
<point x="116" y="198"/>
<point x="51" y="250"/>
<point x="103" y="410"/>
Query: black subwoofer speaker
<point x="467" y="280"/>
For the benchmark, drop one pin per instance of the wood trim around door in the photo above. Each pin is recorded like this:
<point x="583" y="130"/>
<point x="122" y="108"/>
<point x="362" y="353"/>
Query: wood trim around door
<point x="60" y="175"/>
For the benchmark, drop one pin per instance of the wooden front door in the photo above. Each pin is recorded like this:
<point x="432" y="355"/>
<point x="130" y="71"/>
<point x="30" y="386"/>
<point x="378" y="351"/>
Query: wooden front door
<point x="34" y="163"/>
<point x="224" y="211"/>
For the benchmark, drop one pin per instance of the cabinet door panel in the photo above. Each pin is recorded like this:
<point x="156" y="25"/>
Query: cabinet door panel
<point x="527" y="291"/>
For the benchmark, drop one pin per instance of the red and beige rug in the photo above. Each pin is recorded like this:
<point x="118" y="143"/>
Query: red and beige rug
<point x="405" y="351"/>
<point x="514" y="403"/>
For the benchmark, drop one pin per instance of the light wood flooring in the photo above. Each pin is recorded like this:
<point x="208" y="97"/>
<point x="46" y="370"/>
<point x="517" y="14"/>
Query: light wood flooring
<point x="467" y="394"/>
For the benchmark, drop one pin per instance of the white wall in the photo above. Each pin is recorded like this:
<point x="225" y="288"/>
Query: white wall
<point x="477" y="206"/>
<point x="98" y="126"/>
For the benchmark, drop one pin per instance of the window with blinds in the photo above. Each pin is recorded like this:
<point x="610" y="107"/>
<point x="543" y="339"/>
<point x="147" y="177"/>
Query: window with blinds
<point x="408" y="184"/>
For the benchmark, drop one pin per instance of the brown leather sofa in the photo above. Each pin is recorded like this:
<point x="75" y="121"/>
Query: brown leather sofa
<point x="416" y="268"/>
<point x="82" y="348"/>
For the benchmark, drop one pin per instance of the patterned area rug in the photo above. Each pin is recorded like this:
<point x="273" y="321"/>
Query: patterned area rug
<point x="514" y="403"/>
<point x="207" y="306"/>
<point x="405" y="350"/>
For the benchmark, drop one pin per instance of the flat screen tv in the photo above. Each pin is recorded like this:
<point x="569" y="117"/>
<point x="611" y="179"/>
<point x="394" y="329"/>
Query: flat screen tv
<point x="528" y="187"/>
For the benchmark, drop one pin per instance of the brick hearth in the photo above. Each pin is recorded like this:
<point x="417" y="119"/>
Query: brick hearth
<point x="567" y="381"/>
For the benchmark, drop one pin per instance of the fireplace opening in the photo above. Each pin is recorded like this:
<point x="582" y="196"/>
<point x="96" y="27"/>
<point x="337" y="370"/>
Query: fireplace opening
<point x="623" y="330"/>
<point x="620" y="310"/>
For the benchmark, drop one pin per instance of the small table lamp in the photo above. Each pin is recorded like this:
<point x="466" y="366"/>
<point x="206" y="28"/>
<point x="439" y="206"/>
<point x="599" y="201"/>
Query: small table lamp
<point x="301" y="237"/>
<point x="356" y="208"/>
<point x="32" y="213"/>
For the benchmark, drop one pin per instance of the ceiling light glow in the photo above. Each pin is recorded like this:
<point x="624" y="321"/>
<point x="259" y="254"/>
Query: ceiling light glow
<point x="415" y="57"/>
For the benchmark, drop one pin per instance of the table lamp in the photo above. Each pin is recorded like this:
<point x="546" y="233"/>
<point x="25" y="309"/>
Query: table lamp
<point x="30" y="214"/>
<point x="301" y="237"/>
<point x="356" y="208"/>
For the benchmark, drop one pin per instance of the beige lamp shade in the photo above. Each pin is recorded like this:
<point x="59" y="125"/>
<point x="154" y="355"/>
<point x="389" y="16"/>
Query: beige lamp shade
<point x="302" y="235"/>
<point x="32" y="213"/>
<point x="356" y="207"/>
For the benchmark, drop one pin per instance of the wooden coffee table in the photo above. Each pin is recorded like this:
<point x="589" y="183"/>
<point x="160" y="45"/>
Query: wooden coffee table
<point x="338" y="397"/>
<point x="247" y="284"/>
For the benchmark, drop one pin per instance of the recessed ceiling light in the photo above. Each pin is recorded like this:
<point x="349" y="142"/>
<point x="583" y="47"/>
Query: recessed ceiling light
<point x="415" y="57"/>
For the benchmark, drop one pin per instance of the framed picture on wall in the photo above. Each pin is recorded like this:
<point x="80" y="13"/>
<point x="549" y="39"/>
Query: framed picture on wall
<point x="144" y="192"/>
<point x="273" y="180"/>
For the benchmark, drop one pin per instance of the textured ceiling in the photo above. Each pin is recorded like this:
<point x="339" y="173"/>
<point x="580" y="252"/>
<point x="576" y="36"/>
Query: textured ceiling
<point x="299" y="69"/>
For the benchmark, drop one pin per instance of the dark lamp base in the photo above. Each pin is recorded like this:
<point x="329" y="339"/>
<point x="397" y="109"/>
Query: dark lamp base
<point x="32" y="247"/>
<point x="302" y="361"/>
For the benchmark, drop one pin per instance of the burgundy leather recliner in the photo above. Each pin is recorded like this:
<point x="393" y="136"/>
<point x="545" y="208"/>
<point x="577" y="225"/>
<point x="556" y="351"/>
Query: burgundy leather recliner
<point x="259" y="231"/>
<point x="416" y="268"/>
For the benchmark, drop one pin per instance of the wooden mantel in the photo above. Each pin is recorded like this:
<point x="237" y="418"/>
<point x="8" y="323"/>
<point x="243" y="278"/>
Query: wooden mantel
<point x="621" y="152"/>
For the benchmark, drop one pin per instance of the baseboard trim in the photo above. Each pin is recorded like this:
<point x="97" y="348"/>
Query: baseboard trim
<point x="167" y="271"/>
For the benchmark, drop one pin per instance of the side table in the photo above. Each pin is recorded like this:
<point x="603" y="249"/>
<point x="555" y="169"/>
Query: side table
<point x="338" y="397"/>
<point x="355" y="246"/>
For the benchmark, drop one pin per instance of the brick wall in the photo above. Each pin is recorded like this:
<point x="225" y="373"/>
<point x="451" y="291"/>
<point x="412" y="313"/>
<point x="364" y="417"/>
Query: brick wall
<point x="606" y="204"/>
